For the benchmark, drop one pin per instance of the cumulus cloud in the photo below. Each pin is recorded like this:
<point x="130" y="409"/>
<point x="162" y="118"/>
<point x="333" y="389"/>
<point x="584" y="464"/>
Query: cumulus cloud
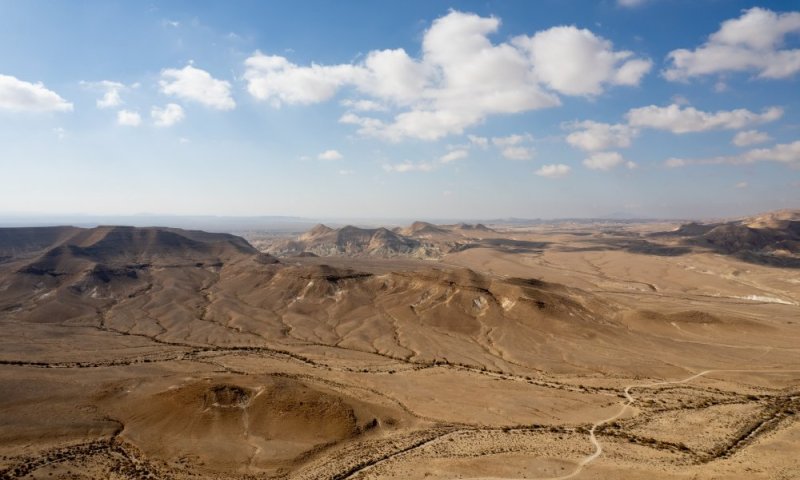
<point x="594" y="136"/>
<point x="480" y="142"/>
<point x="111" y="92"/>
<point x="129" y="118"/>
<point x="674" y="162"/>
<point x="364" y="105"/>
<point x="751" y="42"/>
<point x="459" y="80"/>
<point x="553" y="171"/>
<point x="510" y="140"/>
<point x="676" y="119"/>
<point x="785" y="153"/>
<point x="20" y="96"/>
<point x="604" y="161"/>
<point x="329" y="155"/>
<point x="788" y="153"/>
<point x="197" y="85"/>
<point x="406" y="167"/>
<point x="276" y="79"/>
<point x="110" y="99"/>
<point x="454" y="155"/>
<point x="168" y="116"/>
<point x="750" y="137"/>
<point x="517" y="153"/>
<point x="511" y="146"/>
<point x="575" y="61"/>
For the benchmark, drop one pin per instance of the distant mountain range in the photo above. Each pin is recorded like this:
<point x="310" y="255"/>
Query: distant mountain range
<point x="420" y="239"/>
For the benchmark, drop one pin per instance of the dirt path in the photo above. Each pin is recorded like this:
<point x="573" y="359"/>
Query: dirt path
<point x="629" y="400"/>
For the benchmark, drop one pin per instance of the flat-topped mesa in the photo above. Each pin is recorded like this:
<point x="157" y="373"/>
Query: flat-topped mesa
<point x="23" y="241"/>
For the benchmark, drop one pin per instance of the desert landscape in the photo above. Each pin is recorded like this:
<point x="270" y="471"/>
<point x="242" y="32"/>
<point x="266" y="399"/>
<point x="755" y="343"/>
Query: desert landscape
<point x="572" y="349"/>
<point x="400" y="240"/>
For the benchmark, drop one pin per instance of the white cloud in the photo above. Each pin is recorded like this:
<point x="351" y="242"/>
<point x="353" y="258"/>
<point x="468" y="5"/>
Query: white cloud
<point x="460" y="79"/>
<point x="480" y="142"/>
<point x="630" y="3"/>
<point x="684" y="120"/>
<point x="674" y="162"/>
<point x="517" y="153"/>
<point x="453" y="156"/>
<point x="749" y="43"/>
<point x="346" y="172"/>
<point x="394" y="76"/>
<point x="110" y="99"/>
<point x="330" y="155"/>
<point x="741" y="185"/>
<point x="171" y="114"/>
<point x="511" y="140"/>
<point x="786" y="153"/>
<point x="20" y="96"/>
<point x="575" y="61"/>
<point x="593" y="136"/>
<point x="60" y="133"/>
<point x="510" y="146"/>
<point x="406" y="167"/>
<point x="603" y="161"/>
<point x="364" y="105"/>
<point x="111" y="92"/>
<point x="367" y="126"/>
<point x="680" y="100"/>
<point x="425" y="124"/>
<point x="275" y="79"/>
<point x="750" y="137"/>
<point x="553" y="171"/>
<point x="630" y="165"/>
<point x="193" y="84"/>
<point x="129" y="118"/>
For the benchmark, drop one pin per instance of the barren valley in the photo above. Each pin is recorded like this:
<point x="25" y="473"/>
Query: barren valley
<point x="591" y="350"/>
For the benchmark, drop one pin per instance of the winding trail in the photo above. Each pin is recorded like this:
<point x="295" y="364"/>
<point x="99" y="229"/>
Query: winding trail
<point x="629" y="399"/>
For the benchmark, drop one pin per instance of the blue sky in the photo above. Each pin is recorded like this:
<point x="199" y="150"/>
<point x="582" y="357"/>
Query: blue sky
<point x="426" y="109"/>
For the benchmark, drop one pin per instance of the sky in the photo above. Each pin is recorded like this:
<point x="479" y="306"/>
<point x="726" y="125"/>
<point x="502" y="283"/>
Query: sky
<point x="413" y="109"/>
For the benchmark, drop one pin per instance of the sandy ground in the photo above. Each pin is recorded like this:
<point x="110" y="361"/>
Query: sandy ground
<point x="602" y="362"/>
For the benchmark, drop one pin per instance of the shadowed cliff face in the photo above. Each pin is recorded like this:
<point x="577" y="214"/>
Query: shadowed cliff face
<point x="769" y="239"/>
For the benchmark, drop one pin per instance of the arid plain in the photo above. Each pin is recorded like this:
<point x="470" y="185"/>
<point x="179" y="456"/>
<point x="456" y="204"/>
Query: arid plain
<point x="570" y="349"/>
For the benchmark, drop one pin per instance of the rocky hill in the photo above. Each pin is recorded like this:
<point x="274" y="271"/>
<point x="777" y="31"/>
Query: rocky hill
<point x="772" y="238"/>
<point x="419" y="240"/>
